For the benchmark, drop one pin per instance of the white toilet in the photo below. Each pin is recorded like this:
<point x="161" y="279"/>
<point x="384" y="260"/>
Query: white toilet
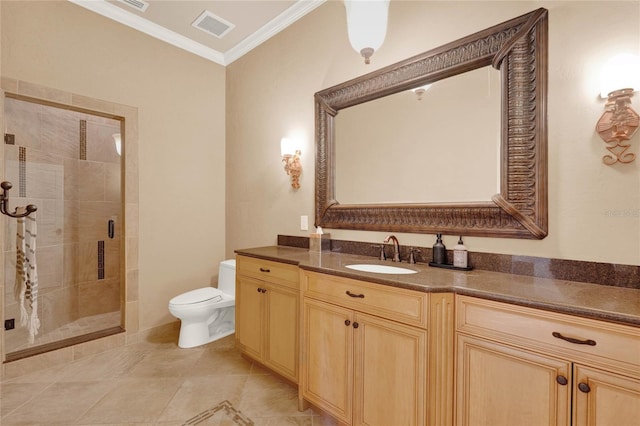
<point x="207" y="314"/>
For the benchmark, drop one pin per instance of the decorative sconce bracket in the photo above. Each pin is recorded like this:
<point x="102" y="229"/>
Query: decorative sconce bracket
<point x="617" y="125"/>
<point x="293" y="168"/>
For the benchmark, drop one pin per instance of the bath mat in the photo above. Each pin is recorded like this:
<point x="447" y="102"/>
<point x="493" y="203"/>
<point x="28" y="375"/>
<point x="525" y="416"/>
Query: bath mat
<point x="222" y="414"/>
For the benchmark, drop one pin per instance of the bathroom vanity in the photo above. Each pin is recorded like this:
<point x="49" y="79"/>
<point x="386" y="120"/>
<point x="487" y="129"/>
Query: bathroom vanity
<point x="267" y="324"/>
<point x="364" y="357"/>
<point x="517" y="365"/>
<point x="440" y="347"/>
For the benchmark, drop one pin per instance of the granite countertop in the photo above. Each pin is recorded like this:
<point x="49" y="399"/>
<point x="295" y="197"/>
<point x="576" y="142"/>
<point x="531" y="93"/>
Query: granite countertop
<point x="615" y="304"/>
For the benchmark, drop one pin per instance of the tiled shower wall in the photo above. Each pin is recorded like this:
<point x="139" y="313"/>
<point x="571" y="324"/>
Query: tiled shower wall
<point x="65" y="162"/>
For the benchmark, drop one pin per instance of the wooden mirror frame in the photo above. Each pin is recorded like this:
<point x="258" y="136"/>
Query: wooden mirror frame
<point x="518" y="49"/>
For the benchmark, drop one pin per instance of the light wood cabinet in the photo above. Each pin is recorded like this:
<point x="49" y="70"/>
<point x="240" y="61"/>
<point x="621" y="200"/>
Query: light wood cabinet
<point x="267" y="314"/>
<point x="250" y="308"/>
<point x="327" y="371"/>
<point x="602" y="398"/>
<point x="390" y="362"/>
<point x="361" y="368"/>
<point x="518" y="365"/>
<point x="503" y="386"/>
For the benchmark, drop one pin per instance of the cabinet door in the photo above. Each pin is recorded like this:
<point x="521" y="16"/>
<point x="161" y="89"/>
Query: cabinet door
<point x="281" y="345"/>
<point x="502" y="386"/>
<point x="605" y="399"/>
<point x="390" y="368"/>
<point x="327" y="379"/>
<point x="250" y="315"/>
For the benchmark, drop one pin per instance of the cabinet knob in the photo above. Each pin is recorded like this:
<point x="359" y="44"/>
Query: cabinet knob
<point x="347" y="322"/>
<point x="265" y="270"/>
<point x="584" y="387"/>
<point x="361" y="296"/>
<point x="259" y="290"/>
<point x="562" y="380"/>
<point x="356" y="325"/>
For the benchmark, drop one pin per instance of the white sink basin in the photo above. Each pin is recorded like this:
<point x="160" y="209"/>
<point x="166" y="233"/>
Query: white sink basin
<point x="381" y="269"/>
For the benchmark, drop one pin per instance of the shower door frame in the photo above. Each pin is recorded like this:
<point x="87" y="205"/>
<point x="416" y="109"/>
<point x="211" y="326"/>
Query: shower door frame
<point x="128" y="116"/>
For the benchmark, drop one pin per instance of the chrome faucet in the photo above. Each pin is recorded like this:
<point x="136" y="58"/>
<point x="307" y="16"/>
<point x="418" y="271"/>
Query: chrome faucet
<point x="396" y="247"/>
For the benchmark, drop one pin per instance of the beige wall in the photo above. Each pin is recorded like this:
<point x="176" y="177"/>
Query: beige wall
<point x="594" y="209"/>
<point x="180" y="101"/>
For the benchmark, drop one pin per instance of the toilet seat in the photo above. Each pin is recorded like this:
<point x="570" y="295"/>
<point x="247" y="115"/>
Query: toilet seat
<point x="196" y="296"/>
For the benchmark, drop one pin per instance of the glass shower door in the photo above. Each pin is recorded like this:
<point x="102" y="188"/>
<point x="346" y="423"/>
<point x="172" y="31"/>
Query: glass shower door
<point x="66" y="162"/>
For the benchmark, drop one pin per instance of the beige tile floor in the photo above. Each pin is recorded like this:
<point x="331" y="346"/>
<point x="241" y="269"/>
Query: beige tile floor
<point x="155" y="383"/>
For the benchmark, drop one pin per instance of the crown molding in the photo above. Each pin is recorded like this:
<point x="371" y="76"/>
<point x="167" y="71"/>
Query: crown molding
<point x="279" y="23"/>
<point x="131" y="20"/>
<point x="273" y="27"/>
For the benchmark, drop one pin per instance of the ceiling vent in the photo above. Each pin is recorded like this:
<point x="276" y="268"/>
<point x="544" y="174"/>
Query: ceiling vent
<point x="212" y="24"/>
<point x="138" y="5"/>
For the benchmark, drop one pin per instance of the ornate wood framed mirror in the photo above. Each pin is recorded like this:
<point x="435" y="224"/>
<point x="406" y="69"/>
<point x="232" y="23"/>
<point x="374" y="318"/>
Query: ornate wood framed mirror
<point x="518" y="50"/>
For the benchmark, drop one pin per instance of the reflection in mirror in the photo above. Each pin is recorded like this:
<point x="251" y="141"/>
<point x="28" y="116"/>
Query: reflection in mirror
<point x="450" y="135"/>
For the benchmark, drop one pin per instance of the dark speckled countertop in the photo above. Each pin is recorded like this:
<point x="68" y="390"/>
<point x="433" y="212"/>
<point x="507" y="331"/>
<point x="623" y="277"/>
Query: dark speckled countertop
<point x="616" y="304"/>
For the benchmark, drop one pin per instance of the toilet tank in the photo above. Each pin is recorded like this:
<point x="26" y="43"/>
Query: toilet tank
<point x="227" y="277"/>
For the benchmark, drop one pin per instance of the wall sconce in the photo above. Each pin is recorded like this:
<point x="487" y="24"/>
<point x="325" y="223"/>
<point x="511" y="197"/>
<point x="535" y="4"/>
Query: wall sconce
<point x="117" y="139"/>
<point x="419" y="91"/>
<point x="367" y="25"/>
<point x="291" y="157"/>
<point x="619" y="122"/>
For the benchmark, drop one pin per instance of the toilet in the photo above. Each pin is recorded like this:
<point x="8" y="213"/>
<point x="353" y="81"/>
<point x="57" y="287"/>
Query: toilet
<point x="207" y="314"/>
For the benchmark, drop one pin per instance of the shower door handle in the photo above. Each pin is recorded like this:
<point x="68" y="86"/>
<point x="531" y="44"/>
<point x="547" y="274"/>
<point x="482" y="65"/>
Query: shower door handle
<point x="112" y="228"/>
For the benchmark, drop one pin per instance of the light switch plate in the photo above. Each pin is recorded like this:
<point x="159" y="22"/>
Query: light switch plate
<point x="304" y="223"/>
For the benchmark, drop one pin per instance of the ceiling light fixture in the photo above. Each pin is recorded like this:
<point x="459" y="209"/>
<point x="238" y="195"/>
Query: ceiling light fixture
<point x="367" y="25"/>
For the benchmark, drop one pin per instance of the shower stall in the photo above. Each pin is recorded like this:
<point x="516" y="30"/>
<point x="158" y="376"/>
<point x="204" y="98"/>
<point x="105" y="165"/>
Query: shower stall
<point x="67" y="162"/>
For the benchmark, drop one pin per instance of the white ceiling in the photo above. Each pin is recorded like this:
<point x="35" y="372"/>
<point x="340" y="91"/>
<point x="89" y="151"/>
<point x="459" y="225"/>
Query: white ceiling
<point x="255" y="21"/>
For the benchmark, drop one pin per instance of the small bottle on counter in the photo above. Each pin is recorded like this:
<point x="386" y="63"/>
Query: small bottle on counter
<point x="439" y="251"/>
<point x="460" y="255"/>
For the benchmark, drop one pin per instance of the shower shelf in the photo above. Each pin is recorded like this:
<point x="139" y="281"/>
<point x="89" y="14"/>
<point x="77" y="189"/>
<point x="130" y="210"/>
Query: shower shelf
<point x="4" y="200"/>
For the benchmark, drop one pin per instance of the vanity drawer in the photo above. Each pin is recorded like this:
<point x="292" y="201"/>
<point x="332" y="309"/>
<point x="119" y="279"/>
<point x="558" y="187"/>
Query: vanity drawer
<point x="266" y="270"/>
<point x="596" y="342"/>
<point x="397" y="304"/>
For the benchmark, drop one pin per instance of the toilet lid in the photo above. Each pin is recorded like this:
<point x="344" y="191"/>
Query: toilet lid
<point x="196" y="296"/>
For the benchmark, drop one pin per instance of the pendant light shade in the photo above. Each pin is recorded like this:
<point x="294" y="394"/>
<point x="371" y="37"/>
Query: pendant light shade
<point x="367" y="25"/>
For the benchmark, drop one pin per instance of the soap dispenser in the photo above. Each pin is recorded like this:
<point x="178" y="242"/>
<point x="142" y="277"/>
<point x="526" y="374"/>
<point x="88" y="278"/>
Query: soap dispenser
<point x="439" y="251"/>
<point x="460" y="255"/>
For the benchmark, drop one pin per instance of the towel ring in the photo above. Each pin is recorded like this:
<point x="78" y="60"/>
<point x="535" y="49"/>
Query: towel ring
<point x="4" y="200"/>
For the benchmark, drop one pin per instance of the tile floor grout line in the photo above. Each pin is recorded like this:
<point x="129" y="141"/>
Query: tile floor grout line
<point x="159" y="416"/>
<point x="78" y="420"/>
<point x="27" y="401"/>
